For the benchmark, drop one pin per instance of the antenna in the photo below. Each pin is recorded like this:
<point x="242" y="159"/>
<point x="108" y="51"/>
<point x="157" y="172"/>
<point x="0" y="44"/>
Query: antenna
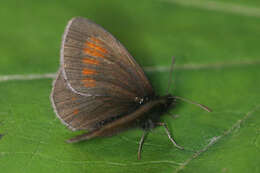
<point x="170" y="80"/>
<point x="192" y="102"/>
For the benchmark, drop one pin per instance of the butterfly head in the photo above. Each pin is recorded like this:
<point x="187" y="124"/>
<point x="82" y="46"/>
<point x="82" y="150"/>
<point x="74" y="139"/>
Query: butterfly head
<point x="143" y="100"/>
<point x="166" y="101"/>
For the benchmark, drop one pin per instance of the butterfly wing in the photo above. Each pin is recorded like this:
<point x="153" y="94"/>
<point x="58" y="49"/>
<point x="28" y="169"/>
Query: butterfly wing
<point x="94" y="63"/>
<point x="80" y="112"/>
<point x="98" y="80"/>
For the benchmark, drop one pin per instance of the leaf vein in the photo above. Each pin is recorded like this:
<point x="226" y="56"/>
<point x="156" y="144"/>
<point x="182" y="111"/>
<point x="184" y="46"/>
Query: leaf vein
<point x="215" y="139"/>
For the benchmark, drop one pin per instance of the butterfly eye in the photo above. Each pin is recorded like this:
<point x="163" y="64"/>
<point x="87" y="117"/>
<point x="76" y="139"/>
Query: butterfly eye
<point x="141" y="101"/>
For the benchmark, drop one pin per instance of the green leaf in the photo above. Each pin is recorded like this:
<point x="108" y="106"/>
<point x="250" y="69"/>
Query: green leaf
<point x="217" y="64"/>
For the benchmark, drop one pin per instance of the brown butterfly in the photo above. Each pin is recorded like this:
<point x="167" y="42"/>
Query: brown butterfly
<point x="101" y="88"/>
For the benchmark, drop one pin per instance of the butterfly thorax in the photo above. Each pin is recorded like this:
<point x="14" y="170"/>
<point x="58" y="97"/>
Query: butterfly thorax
<point x="166" y="100"/>
<point x="158" y="105"/>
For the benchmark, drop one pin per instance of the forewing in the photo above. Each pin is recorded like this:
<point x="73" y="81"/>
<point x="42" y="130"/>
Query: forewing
<point x="94" y="63"/>
<point x="80" y="112"/>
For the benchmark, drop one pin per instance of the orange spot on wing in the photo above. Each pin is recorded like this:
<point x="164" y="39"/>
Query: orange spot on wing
<point x="76" y="111"/>
<point x="90" y="61"/>
<point x="95" y="49"/>
<point x="101" y="50"/>
<point x="73" y="98"/>
<point x="89" y="82"/>
<point x="86" y="71"/>
<point x="93" y="52"/>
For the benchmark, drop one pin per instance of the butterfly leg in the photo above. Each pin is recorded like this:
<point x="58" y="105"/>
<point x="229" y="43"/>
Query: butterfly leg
<point x="169" y="135"/>
<point x="141" y="142"/>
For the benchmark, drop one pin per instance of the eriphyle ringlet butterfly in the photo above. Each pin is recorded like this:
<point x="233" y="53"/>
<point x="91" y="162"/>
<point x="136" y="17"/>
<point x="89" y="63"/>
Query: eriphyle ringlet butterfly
<point x="101" y="88"/>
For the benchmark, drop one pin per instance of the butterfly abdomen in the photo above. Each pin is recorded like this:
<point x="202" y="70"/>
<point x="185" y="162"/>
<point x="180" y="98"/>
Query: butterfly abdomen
<point x="125" y="122"/>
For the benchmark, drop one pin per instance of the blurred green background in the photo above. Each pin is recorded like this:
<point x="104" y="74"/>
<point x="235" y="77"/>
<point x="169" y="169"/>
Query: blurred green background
<point x="216" y="49"/>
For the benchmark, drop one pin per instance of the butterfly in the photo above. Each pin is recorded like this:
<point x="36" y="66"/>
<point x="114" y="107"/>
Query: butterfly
<point x="100" y="87"/>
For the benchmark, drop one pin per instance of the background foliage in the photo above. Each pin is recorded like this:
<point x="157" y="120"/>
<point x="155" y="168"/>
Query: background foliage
<point x="216" y="46"/>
